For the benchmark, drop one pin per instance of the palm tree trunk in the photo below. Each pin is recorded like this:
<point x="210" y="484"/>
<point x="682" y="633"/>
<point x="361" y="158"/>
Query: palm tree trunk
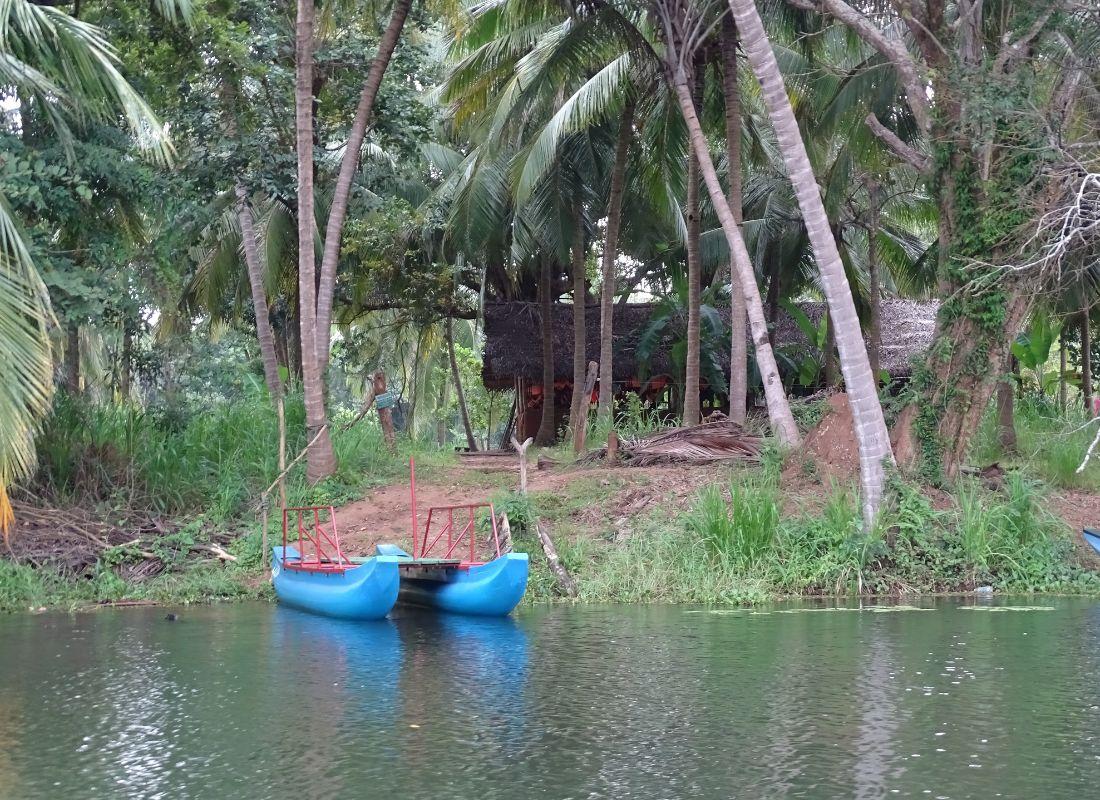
<point x="127" y="361"/>
<point x="350" y="162"/>
<point x="868" y="420"/>
<point x="320" y="460"/>
<point x="610" y="252"/>
<point x="441" y="413"/>
<point x="1086" y="361"/>
<point x="830" y="352"/>
<point x="874" y="278"/>
<point x="463" y="411"/>
<point x="294" y="340"/>
<point x="1006" y="422"/>
<point x="578" y="405"/>
<point x="779" y="410"/>
<point x="691" y="365"/>
<point x="264" y="334"/>
<point x="739" y="356"/>
<point x="72" y="360"/>
<point x="546" y="433"/>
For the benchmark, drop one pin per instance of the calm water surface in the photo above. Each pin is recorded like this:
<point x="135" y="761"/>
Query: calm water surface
<point x="257" y="701"/>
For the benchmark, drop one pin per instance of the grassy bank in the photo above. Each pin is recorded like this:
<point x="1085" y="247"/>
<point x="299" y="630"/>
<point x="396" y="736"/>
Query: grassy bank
<point x="198" y="477"/>
<point x="732" y="545"/>
<point x="738" y="534"/>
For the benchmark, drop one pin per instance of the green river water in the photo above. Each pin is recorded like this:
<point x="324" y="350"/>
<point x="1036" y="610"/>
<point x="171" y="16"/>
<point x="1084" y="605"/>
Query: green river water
<point x="961" y="699"/>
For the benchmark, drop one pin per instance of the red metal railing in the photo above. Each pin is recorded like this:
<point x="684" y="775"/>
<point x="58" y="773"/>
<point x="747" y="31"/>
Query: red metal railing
<point x="318" y="546"/>
<point x="460" y="542"/>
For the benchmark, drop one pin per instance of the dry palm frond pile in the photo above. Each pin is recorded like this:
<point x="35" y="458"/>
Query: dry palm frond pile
<point x="721" y="440"/>
<point x="74" y="543"/>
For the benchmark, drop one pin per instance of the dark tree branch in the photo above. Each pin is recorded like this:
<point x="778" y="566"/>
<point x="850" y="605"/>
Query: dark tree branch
<point x="918" y="161"/>
<point x="892" y="48"/>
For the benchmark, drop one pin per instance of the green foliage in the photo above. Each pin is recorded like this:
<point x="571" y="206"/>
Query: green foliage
<point x="667" y="330"/>
<point x="1032" y="347"/>
<point x="1050" y="444"/>
<point x="518" y="508"/>
<point x="741" y="530"/>
<point x="211" y="464"/>
<point x="24" y="588"/>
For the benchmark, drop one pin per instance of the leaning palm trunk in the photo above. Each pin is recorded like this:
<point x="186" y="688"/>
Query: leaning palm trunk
<point x="691" y="365"/>
<point x="463" y="410"/>
<point x="264" y="334"/>
<point x="739" y="356"/>
<point x="320" y="460"/>
<point x="610" y="252"/>
<point x="779" y="410"/>
<point x="870" y="426"/>
<point x="339" y="208"/>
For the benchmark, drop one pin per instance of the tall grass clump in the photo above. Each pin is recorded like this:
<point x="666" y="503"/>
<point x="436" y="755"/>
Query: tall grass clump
<point x="659" y="563"/>
<point x="740" y="530"/>
<point x="214" y="461"/>
<point x="826" y="552"/>
<point x="631" y="418"/>
<point x="1051" y="443"/>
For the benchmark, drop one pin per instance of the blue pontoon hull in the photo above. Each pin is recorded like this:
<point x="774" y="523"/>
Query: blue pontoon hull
<point x="493" y="589"/>
<point x="1093" y="538"/>
<point x="366" y="591"/>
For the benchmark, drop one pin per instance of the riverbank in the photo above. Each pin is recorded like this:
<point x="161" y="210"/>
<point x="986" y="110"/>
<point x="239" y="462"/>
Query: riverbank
<point x="786" y="525"/>
<point x="672" y="534"/>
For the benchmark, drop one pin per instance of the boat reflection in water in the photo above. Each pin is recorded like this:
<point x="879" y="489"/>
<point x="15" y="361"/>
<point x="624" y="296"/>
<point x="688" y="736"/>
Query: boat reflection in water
<point x="339" y="681"/>
<point x="473" y="671"/>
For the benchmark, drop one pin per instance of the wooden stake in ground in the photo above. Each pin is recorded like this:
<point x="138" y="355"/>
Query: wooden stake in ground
<point x="565" y="580"/>
<point x="521" y="450"/>
<point x="612" y="447"/>
<point x="385" y="415"/>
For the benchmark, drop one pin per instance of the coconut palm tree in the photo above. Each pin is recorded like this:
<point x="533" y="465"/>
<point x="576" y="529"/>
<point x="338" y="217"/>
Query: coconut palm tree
<point x="57" y="69"/>
<point x="684" y="25"/>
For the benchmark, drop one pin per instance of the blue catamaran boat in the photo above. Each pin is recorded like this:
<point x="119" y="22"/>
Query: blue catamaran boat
<point x="1093" y="538"/>
<point x="491" y="588"/>
<point x="450" y="569"/>
<point x="313" y="573"/>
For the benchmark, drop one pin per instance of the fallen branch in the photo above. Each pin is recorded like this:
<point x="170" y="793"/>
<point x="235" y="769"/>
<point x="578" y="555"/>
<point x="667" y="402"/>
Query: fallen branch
<point x="505" y="535"/>
<point x="368" y="403"/>
<point x="565" y="580"/>
<point x="1088" y="453"/>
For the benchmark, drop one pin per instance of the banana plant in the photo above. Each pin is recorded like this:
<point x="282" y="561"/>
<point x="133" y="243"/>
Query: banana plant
<point x="1032" y="347"/>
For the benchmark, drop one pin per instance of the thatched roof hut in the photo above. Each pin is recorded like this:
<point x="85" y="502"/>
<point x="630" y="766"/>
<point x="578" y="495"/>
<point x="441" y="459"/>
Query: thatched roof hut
<point x="513" y="349"/>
